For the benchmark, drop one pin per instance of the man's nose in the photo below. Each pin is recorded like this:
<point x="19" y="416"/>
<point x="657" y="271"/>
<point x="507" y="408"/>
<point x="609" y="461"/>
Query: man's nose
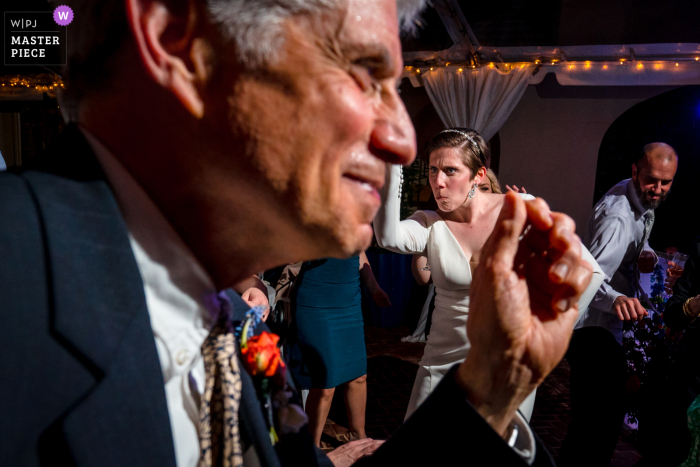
<point x="393" y="138"/>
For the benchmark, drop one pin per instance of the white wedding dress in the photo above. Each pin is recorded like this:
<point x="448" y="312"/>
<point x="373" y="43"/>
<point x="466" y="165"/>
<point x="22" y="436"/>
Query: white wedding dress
<point x="426" y="233"/>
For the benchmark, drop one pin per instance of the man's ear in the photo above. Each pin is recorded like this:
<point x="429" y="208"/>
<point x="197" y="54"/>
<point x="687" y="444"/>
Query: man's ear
<point x="634" y="172"/>
<point x="170" y="51"/>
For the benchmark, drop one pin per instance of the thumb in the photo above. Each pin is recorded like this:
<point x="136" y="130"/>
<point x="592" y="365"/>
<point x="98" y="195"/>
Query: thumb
<point x="502" y="245"/>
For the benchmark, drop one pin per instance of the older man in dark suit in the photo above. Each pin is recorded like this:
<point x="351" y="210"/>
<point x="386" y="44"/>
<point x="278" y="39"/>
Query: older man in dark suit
<point x="213" y="139"/>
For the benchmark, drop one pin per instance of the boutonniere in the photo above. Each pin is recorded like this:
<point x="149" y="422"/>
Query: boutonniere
<point x="262" y="359"/>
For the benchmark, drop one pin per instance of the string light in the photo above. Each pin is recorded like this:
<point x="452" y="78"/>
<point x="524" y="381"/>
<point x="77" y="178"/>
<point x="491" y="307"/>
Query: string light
<point x="51" y="85"/>
<point x="41" y="82"/>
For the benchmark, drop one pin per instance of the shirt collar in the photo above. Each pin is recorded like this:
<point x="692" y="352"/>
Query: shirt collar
<point x="636" y="202"/>
<point x="153" y="234"/>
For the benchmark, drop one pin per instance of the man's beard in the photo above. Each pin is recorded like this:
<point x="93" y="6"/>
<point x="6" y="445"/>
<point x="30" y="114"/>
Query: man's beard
<point x="654" y="203"/>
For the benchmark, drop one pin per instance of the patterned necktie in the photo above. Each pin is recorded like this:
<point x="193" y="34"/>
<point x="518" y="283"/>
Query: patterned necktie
<point x="219" y="439"/>
<point x="648" y="224"/>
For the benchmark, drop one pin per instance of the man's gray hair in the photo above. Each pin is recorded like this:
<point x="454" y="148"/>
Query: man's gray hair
<point x="255" y="26"/>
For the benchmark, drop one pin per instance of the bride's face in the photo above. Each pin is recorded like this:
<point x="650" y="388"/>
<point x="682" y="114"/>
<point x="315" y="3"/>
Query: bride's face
<point x="449" y="178"/>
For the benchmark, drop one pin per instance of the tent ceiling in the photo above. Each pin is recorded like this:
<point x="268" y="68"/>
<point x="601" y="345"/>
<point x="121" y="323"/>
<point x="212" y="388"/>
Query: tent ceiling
<point x="513" y="23"/>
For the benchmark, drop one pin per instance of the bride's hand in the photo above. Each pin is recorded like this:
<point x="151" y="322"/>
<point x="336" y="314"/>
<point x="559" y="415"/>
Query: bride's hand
<point x="523" y="307"/>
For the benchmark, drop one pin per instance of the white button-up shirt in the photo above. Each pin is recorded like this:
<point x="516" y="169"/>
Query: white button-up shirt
<point x="179" y="295"/>
<point x="613" y="233"/>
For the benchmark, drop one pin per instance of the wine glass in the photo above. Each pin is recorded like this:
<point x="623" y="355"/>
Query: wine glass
<point x="674" y="271"/>
<point x="676" y="266"/>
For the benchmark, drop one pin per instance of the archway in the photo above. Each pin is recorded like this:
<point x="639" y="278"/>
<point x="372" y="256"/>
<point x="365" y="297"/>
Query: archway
<point x="673" y="118"/>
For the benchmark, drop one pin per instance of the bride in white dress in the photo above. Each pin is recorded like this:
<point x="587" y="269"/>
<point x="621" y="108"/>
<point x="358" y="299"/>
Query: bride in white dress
<point x="451" y="238"/>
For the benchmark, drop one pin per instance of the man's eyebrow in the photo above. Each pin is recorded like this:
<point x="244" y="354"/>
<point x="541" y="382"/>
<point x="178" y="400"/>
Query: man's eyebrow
<point x="375" y="54"/>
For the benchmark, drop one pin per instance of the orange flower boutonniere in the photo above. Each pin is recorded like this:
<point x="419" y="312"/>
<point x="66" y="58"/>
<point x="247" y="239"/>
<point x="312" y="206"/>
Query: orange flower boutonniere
<point x="262" y="356"/>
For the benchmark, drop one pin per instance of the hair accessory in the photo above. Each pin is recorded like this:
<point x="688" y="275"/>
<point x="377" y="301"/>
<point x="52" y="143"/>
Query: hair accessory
<point x="471" y="192"/>
<point x="472" y="140"/>
<point x="451" y="130"/>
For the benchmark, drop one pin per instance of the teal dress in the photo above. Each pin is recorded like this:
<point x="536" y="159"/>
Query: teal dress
<point x="694" y="427"/>
<point x="329" y="343"/>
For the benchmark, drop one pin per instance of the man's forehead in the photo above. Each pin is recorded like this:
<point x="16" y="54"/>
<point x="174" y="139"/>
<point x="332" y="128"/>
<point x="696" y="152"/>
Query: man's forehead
<point x="372" y="26"/>
<point x="661" y="168"/>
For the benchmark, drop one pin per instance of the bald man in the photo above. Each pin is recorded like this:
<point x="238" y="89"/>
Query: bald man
<point x="618" y="238"/>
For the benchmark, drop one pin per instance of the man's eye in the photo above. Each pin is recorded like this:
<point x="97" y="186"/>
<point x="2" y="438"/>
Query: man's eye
<point x="363" y="76"/>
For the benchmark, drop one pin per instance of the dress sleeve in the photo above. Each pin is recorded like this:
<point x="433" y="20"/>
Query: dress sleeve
<point x="596" y="280"/>
<point x="409" y="236"/>
<point x="608" y="244"/>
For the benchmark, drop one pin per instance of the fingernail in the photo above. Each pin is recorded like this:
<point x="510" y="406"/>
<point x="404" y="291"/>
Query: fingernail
<point x="560" y="270"/>
<point x="562" y="305"/>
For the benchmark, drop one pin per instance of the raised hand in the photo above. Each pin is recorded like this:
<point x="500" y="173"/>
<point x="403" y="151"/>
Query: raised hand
<point x="515" y="189"/>
<point x="523" y="307"/>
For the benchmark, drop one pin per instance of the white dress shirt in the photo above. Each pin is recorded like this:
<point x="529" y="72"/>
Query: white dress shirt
<point x="613" y="233"/>
<point x="179" y="294"/>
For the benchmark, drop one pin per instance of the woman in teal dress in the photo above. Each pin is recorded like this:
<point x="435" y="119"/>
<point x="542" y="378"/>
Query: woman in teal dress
<point x="326" y="304"/>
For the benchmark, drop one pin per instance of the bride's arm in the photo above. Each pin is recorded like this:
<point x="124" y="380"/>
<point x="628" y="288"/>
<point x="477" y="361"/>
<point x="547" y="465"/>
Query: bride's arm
<point x="409" y="236"/>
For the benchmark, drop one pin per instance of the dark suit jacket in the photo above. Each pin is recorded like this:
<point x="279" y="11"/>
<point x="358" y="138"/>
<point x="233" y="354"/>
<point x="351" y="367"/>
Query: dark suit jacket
<point x="686" y="369"/>
<point x="81" y="379"/>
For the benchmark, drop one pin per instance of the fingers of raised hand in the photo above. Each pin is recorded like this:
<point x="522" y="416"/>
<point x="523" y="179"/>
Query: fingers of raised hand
<point x="571" y="288"/>
<point x="502" y="245"/>
<point x="538" y="213"/>
<point x="550" y="259"/>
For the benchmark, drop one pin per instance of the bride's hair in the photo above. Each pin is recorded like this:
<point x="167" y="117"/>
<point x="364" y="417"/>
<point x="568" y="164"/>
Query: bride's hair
<point x="471" y="147"/>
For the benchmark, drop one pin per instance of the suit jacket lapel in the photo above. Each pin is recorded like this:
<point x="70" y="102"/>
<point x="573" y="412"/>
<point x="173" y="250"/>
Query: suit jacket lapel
<point x="99" y="314"/>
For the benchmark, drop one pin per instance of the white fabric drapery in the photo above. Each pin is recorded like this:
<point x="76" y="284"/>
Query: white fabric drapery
<point x="481" y="99"/>
<point x="625" y="73"/>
